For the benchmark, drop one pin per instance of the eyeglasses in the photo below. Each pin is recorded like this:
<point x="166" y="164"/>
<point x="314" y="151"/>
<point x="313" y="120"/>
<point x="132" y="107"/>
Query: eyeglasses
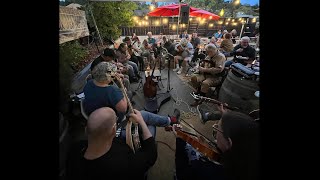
<point x="216" y="128"/>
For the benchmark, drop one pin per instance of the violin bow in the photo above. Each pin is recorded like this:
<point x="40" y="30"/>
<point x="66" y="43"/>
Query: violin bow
<point x="197" y="97"/>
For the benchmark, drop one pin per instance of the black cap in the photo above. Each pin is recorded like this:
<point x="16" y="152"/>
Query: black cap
<point x="126" y="39"/>
<point x="109" y="52"/>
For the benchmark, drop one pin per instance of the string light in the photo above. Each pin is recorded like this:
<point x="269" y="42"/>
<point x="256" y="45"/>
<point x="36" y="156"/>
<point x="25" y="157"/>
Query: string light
<point x="190" y="19"/>
<point x="254" y="20"/>
<point x="174" y="27"/>
<point x="146" y="17"/>
<point x="165" y="20"/>
<point x="151" y="7"/>
<point x="211" y="25"/>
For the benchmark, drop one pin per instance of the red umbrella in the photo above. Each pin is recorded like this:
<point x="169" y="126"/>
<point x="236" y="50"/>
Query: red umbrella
<point x="169" y="10"/>
<point x="204" y="14"/>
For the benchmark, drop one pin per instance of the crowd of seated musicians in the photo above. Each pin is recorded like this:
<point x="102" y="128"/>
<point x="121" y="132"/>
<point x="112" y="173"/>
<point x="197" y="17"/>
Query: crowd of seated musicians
<point x="104" y="155"/>
<point x="210" y="70"/>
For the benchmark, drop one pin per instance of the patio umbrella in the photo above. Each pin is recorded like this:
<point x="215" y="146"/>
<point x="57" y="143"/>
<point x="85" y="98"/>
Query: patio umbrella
<point x="169" y="10"/>
<point x="204" y="14"/>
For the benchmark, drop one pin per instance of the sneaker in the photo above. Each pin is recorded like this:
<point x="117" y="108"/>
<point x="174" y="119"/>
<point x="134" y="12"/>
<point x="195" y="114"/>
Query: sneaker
<point x="203" y="115"/>
<point x="176" y="69"/>
<point x="180" y="70"/>
<point x="175" y="118"/>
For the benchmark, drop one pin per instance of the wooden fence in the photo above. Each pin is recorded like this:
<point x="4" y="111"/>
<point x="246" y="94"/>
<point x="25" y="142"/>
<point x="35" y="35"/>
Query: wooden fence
<point x="168" y="26"/>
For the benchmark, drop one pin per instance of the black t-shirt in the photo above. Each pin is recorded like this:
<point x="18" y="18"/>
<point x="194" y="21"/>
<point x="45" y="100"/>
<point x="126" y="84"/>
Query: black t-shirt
<point x="169" y="46"/>
<point x="195" y="42"/>
<point x="119" y="161"/>
<point x="247" y="52"/>
<point x="96" y="62"/>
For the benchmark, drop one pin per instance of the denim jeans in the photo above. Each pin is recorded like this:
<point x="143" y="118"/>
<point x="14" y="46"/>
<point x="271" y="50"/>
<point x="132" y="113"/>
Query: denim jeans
<point x="134" y="66"/>
<point x="152" y="120"/>
<point x="228" y="63"/>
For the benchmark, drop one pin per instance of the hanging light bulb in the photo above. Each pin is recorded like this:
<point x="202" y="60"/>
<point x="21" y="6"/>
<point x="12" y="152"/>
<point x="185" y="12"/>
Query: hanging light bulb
<point x="151" y="7"/>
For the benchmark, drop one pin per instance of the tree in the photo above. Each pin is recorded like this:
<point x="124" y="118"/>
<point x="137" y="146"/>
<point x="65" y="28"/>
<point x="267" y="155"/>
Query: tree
<point x="109" y="16"/>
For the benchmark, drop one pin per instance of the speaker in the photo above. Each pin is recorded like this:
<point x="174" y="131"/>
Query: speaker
<point x="184" y="14"/>
<point x="248" y="30"/>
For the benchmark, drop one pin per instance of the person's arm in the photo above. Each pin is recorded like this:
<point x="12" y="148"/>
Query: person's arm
<point x="138" y="118"/>
<point x="235" y="50"/>
<point x="190" y="49"/>
<point x="251" y="55"/>
<point x="136" y="48"/>
<point x="215" y="70"/>
<point x="223" y="43"/>
<point x="176" y="47"/>
<point x="143" y="159"/>
<point x="119" y="101"/>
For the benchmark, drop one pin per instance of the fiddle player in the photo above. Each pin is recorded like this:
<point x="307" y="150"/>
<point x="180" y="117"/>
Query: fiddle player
<point x="185" y="52"/>
<point x="103" y="155"/>
<point x="237" y="139"/>
<point x="210" y="72"/>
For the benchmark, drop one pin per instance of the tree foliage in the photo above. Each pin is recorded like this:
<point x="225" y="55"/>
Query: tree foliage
<point x="110" y="15"/>
<point x="69" y="53"/>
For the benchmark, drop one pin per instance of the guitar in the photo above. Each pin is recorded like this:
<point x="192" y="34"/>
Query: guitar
<point x="132" y="138"/>
<point x="150" y="87"/>
<point x="199" y="143"/>
<point x="132" y="51"/>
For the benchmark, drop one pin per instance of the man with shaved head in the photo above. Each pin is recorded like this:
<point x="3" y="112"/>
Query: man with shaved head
<point x="103" y="156"/>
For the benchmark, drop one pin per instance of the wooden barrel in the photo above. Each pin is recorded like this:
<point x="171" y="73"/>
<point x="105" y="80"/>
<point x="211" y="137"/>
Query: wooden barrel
<point x="237" y="91"/>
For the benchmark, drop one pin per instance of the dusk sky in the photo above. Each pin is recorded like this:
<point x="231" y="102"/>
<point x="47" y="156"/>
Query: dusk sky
<point x="251" y="2"/>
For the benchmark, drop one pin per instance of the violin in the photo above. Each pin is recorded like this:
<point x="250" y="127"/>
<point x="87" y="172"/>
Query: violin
<point x="199" y="144"/>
